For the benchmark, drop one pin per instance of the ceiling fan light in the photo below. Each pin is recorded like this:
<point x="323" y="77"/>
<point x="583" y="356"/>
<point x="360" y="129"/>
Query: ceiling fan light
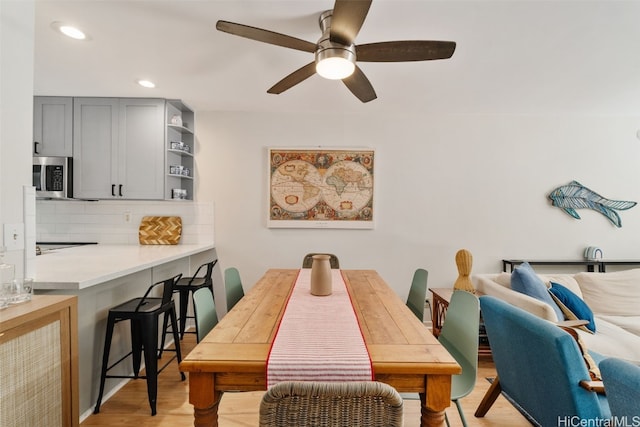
<point x="335" y="62"/>
<point x="335" y="68"/>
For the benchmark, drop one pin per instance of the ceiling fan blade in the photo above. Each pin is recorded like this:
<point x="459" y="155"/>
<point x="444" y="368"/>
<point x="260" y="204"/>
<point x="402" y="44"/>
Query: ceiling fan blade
<point x="294" y="78"/>
<point x="265" y="36"/>
<point x="360" y="86"/>
<point x="348" y="17"/>
<point x="406" y="50"/>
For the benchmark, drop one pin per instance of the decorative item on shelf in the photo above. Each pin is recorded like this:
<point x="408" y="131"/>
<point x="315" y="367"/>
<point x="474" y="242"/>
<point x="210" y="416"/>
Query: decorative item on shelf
<point x="464" y="262"/>
<point x="179" y="194"/>
<point x="176" y="169"/>
<point x="593" y="253"/>
<point x="176" y="120"/>
<point x="180" y="146"/>
<point x="321" y="275"/>
<point x="576" y="196"/>
<point x="186" y="171"/>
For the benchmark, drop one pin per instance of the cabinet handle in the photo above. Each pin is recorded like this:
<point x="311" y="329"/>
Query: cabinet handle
<point x="120" y="190"/>
<point x="113" y="190"/>
<point x="35" y="147"/>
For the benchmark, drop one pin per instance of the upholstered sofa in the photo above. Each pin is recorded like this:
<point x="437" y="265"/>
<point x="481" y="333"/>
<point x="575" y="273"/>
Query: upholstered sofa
<point x="613" y="298"/>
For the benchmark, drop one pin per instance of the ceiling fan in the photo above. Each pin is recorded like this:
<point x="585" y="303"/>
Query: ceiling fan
<point x="335" y="52"/>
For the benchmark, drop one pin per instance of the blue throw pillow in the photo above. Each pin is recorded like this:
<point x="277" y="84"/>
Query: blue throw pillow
<point x="525" y="280"/>
<point x="576" y="308"/>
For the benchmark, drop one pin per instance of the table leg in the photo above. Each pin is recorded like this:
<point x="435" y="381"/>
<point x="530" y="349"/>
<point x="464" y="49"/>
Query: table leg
<point x="435" y="400"/>
<point x="204" y="398"/>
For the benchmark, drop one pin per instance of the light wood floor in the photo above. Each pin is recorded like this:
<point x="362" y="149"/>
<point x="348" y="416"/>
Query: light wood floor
<point x="129" y="407"/>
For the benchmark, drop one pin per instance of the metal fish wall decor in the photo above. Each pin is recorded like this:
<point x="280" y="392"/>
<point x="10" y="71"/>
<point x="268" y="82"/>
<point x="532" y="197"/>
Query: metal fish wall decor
<point x="576" y="196"/>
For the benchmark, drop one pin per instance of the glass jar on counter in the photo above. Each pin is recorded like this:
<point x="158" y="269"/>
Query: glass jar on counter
<point x="7" y="276"/>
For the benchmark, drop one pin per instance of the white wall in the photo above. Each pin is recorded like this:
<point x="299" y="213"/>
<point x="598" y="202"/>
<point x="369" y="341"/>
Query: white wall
<point x="443" y="183"/>
<point x="16" y="113"/>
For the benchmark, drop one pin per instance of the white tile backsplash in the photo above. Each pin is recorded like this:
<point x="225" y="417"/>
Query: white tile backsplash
<point x="105" y="222"/>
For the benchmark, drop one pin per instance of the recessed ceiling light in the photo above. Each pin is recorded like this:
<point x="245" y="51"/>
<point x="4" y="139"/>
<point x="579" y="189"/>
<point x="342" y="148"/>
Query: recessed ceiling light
<point x="70" y="31"/>
<point x="146" y="83"/>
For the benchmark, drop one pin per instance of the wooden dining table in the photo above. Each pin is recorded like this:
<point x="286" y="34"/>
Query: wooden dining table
<point x="403" y="352"/>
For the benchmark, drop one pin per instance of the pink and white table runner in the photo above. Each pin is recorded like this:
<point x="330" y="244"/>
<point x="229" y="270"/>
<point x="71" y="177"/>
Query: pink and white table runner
<point x="319" y="338"/>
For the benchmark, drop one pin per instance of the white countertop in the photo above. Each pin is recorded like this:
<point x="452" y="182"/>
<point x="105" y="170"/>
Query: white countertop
<point x="84" y="266"/>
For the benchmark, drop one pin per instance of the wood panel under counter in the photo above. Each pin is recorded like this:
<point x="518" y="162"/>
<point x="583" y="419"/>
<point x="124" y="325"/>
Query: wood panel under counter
<point x="102" y="276"/>
<point x="40" y="334"/>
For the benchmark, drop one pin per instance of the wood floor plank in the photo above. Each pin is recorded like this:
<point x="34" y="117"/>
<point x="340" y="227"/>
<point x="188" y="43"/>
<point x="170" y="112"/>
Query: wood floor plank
<point x="129" y="407"/>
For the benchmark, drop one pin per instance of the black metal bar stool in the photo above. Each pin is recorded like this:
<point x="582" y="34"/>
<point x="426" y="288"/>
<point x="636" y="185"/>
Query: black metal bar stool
<point x="143" y="314"/>
<point x="186" y="285"/>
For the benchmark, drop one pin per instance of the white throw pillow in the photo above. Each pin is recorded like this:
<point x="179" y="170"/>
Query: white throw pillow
<point x="615" y="294"/>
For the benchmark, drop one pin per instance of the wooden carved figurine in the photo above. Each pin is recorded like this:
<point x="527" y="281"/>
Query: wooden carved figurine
<point x="464" y="261"/>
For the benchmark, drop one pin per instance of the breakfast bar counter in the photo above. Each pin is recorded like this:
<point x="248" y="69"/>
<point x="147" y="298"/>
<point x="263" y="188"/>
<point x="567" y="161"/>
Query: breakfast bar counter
<point x="81" y="267"/>
<point x="103" y="276"/>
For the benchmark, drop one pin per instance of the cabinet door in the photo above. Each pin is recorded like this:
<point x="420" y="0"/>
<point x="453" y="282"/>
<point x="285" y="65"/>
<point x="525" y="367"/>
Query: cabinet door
<point x="141" y="149"/>
<point x="95" y="133"/>
<point x="52" y="126"/>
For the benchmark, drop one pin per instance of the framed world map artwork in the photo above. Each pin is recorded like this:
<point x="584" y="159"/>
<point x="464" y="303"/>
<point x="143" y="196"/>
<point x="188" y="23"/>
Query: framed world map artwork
<point x="321" y="188"/>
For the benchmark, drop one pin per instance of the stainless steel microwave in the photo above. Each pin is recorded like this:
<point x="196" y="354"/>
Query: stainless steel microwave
<point x="53" y="178"/>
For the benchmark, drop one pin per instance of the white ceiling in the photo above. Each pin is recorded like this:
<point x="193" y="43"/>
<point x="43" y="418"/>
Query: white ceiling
<point x="520" y="57"/>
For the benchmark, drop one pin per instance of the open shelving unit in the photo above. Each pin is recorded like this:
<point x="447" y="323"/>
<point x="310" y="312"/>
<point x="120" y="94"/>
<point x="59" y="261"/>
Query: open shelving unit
<point x="180" y="147"/>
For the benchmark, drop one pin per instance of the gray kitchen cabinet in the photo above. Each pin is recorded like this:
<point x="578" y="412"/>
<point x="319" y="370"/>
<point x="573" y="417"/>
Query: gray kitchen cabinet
<point x="53" y="126"/>
<point x="118" y="148"/>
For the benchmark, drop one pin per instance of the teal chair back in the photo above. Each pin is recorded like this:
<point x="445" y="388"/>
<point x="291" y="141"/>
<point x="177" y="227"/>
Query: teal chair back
<point x="204" y="311"/>
<point x="459" y="336"/>
<point x="622" y="384"/>
<point x="233" y="287"/>
<point x="418" y="293"/>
